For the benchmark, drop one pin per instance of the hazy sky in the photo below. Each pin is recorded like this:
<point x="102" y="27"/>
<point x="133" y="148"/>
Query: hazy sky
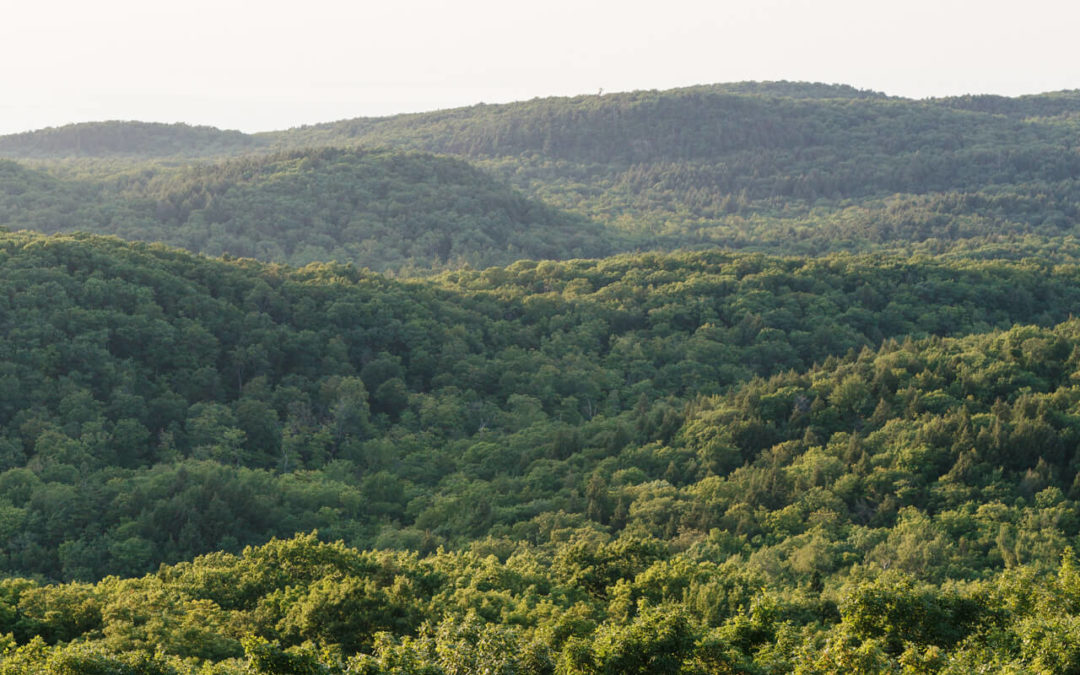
<point x="271" y="65"/>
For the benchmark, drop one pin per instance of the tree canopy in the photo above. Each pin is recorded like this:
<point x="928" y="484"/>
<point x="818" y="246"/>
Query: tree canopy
<point x="847" y="442"/>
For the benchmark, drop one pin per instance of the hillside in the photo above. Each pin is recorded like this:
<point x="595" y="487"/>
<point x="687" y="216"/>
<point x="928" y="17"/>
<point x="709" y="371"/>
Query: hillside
<point x="785" y="168"/>
<point x="709" y="123"/>
<point x="636" y="463"/>
<point x="796" y="168"/>
<point x="378" y="209"/>
<point x="404" y="415"/>
<point x="850" y="446"/>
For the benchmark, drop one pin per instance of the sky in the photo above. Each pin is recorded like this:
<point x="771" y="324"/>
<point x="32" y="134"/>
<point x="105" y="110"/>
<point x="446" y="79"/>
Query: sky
<point x="266" y="65"/>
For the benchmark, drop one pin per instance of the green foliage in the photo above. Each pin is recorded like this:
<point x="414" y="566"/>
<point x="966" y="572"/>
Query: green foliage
<point x="692" y="462"/>
<point x="166" y="623"/>
<point x="657" y="641"/>
<point x="783" y="167"/>
<point x="125" y="139"/>
<point x="778" y="167"/>
<point x="891" y="608"/>
<point x="379" y="209"/>
<point x="160" y="405"/>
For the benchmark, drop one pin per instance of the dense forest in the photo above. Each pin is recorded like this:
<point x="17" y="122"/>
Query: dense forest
<point x="662" y="407"/>
<point x="779" y="167"/>
<point x="752" y="378"/>
<point x="126" y="140"/>
<point x="782" y="168"/>
<point x="382" y="210"/>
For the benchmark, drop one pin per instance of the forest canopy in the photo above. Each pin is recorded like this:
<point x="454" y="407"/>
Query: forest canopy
<point x="781" y="168"/>
<point x="749" y="378"/>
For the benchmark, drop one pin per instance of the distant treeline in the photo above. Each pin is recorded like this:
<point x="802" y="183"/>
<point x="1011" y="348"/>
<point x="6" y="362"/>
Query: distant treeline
<point x="777" y="167"/>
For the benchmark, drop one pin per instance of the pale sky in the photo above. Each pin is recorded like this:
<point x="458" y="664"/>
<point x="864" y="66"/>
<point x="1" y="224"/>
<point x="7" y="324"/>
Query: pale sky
<point x="272" y="65"/>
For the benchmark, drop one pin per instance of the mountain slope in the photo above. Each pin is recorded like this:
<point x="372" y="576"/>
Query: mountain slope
<point x="717" y="124"/>
<point x="692" y="462"/>
<point x="383" y="210"/>
<point x="155" y="405"/>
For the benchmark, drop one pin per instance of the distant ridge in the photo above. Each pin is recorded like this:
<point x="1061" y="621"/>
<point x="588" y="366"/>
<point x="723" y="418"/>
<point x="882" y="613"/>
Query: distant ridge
<point x="379" y="209"/>
<point x="789" y="89"/>
<point x="701" y="123"/>
<point x="782" y="167"/>
<point x="1050" y="104"/>
<point x="135" y="139"/>
<point x="126" y="138"/>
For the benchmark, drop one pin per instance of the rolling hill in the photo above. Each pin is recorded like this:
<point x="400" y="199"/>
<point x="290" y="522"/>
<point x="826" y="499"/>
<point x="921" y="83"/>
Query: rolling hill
<point x="776" y="167"/>
<point x="850" y="447"/>
<point x="119" y="139"/>
<point x="386" y="210"/>
<point x="640" y="464"/>
<point x="426" y="413"/>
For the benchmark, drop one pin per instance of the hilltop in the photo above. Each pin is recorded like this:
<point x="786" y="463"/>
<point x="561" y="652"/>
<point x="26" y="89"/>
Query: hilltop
<point x="781" y="168"/>
<point x="119" y="139"/>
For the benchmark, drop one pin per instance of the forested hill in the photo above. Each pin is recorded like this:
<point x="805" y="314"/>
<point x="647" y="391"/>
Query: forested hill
<point x="230" y="402"/>
<point x="126" y="139"/>
<point x="709" y="123"/>
<point x="708" y="461"/>
<point x="1053" y="104"/>
<point x="787" y="168"/>
<point x="791" y="168"/>
<point x="698" y="463"/>
<point x="386" y="210"/>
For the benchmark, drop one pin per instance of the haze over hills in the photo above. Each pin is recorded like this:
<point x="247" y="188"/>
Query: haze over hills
<point x="776" y="167"/>
<point x="379" y="209"/>
<point x="851" y="447"/>
<point x="126" y="139"/>
<point x="149" y="139"/>
<point x="763" y="170"/>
